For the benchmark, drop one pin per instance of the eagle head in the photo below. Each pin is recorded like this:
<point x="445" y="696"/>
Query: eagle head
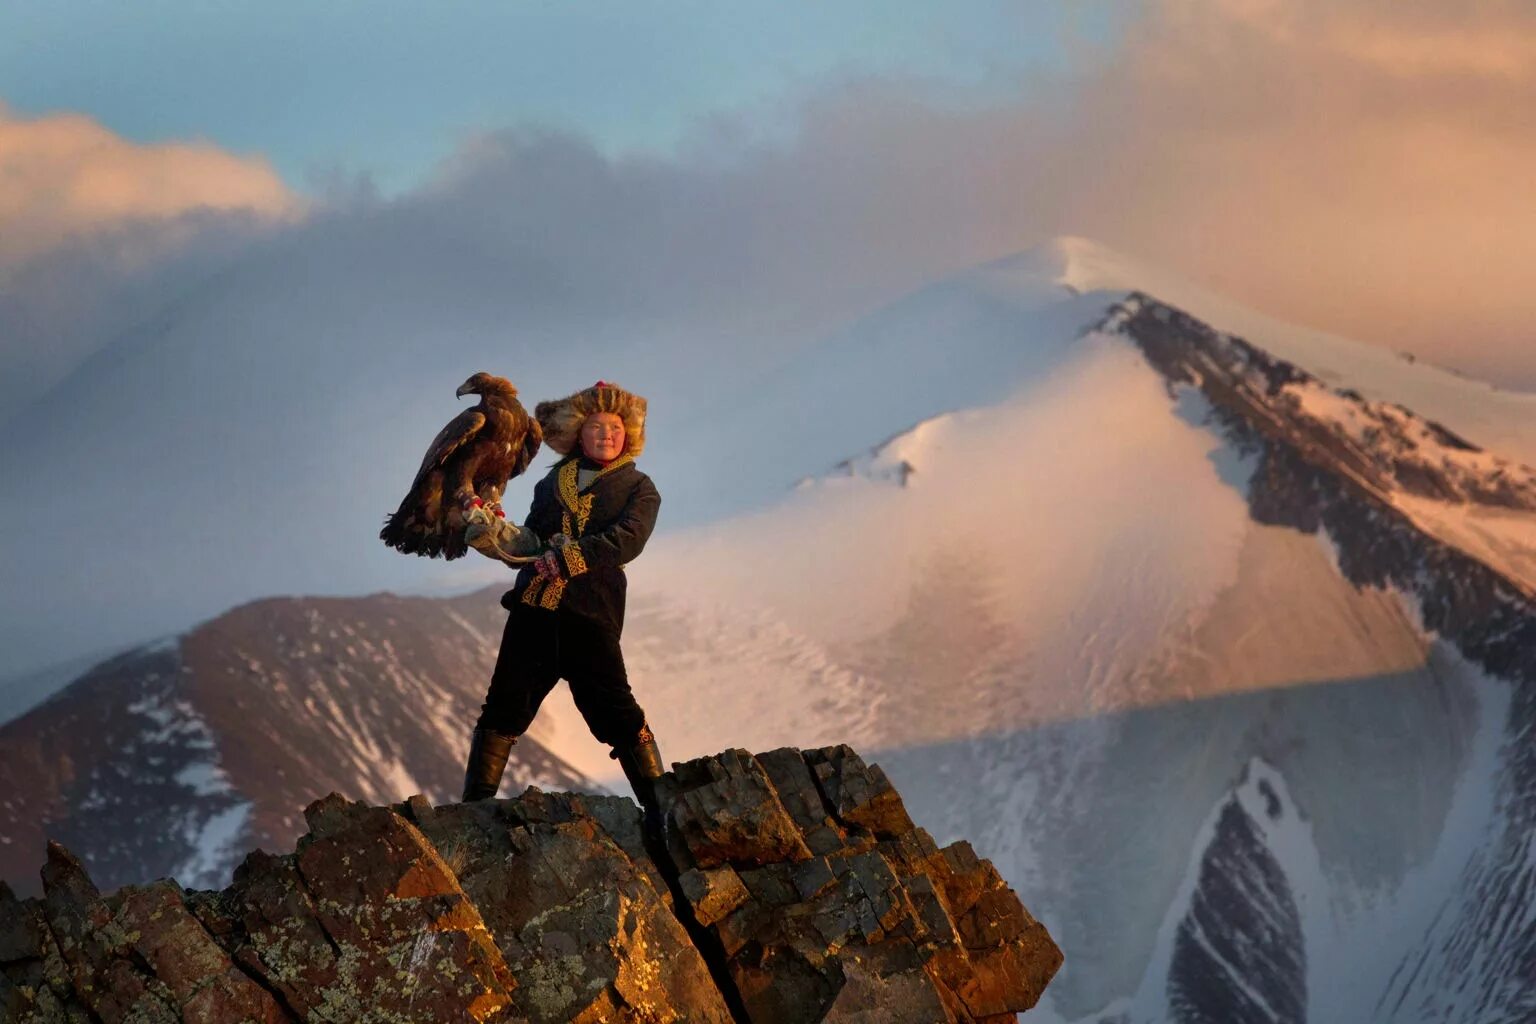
<point x="484" y="383"/>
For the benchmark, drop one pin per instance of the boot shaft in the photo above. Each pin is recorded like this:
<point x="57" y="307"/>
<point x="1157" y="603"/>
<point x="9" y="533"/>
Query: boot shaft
<point x="647" y="756"/>
<point x="641" y="760"/>
<point x="488" y="753"/>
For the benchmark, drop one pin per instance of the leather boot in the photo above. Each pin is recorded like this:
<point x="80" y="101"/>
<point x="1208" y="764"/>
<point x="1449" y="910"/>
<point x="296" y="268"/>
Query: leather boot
<point x="488" y="752"/>
<point x="641" y="761"/>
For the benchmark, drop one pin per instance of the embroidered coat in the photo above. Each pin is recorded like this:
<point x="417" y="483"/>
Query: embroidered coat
<point x="608" y="522"/>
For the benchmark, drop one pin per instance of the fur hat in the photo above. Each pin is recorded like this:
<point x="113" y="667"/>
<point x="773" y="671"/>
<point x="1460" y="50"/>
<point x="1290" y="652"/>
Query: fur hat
<point x="562" y="418"/>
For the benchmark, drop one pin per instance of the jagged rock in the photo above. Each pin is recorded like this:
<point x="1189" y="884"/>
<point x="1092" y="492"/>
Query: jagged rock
<point x="792" y="887"/>
<point x="96" y="951"/>
<point x="590" y="935"/>
<point x="136" y="956"/>
<point x="366" y="922"/>
<point x="851" y="912"/>
<point x="731" y="814"/>
<point x="32" y="972"/>
<point x="713" y="893"/>
<point x="204" y="984"/>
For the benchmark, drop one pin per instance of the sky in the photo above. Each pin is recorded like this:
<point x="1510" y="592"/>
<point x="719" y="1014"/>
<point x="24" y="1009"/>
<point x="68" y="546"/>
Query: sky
<point x="295" y="198"/>
<point x="1357" y="166"/>
<point x="386" y="88"/>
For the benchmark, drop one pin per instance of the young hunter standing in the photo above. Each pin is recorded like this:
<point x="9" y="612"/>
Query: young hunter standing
<point x="591" y="513"/>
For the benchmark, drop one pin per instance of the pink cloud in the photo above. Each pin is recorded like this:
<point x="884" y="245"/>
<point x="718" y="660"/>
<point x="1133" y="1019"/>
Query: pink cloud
<point x="1359" y="167"/>
<point x="63" y="176"/>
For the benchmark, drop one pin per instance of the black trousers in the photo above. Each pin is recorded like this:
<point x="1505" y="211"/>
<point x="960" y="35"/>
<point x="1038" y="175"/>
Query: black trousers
<point x="540" y="647"/>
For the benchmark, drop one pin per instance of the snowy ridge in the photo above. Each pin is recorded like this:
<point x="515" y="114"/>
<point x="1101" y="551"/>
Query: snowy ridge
<point x="1038" y="476"/>
<point x="1419" y="456"/>
<point x="1504" y="421"/>
<point x="1234" y="947"/>
<point x="898" y="457"/>
<point x="1474" y="500"/>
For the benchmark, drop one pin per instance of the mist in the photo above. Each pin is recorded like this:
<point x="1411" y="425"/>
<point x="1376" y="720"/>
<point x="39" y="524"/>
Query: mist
<point x="218" y="399"/>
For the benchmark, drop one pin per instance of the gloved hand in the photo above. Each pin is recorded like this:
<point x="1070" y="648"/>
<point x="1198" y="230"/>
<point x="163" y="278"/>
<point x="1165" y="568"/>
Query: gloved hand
<point x="489" y="535"/>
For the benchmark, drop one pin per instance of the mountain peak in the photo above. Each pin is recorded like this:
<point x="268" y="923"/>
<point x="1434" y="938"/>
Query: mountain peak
<point x="1499" y="419"/>
<point x="1071" y="263"/>
<point x="1402" y="464"/>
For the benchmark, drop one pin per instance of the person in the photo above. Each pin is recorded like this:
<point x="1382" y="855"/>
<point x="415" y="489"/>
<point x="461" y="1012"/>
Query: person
<point x="591" y="514"/>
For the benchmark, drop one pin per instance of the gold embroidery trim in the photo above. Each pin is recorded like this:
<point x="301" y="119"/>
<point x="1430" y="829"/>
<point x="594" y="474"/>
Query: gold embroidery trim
<point x="544" y="593"/>
<point x="578" y="504"/>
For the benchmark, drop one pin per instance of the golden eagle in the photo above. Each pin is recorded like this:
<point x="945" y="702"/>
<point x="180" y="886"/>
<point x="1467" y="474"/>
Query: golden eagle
<point x="467" y="466"/>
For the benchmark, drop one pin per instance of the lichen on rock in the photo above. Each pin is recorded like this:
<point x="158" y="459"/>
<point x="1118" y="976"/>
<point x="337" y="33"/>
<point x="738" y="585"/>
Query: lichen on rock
<point x="792" y="886"/>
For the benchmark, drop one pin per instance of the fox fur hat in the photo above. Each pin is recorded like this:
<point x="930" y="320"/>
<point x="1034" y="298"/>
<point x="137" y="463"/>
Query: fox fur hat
<point x="562" y="418"/>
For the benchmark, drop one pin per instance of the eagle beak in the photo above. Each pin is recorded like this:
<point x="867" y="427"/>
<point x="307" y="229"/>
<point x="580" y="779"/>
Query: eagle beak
<point x="464" y="389"/>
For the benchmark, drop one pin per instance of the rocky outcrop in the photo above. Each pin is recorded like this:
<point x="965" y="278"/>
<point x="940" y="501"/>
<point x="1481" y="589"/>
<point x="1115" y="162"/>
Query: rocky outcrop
<point x="829" y="904"/>
<point x="791" y="886"/>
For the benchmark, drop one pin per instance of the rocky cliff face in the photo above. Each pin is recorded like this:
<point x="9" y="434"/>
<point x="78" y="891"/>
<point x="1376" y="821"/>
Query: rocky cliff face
<point x="792" y="887"/>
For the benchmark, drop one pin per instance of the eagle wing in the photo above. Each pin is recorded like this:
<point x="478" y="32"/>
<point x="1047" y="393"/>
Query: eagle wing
<point x="533" y="438"/>
<point x="459" y="432"/>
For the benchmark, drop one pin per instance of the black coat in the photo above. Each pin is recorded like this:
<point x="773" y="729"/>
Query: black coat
<point x="609" y="522"/>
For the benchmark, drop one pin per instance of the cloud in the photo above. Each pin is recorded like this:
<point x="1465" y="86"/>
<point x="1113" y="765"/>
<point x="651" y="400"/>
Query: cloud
<point x="64" y="175"/>
<point x="1329" y="162"/>
<point x="1484" y="52"/>
<point x="1356" y="167"/>
<point x="1495" y="40"/>
<point x="1352" y="167"/>
<point x="97" y="231"/>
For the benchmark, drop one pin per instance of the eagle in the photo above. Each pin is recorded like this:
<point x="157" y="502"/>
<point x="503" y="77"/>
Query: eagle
<point x="466" y="467"/>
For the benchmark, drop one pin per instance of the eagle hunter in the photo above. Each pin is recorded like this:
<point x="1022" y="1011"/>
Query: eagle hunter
<point x="466" y="468"/>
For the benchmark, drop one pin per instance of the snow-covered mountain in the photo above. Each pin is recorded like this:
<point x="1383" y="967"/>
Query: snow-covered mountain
<point x="1213" y="633"/>
<point x="178" y="757"/>
<point x="1227" y="661"/>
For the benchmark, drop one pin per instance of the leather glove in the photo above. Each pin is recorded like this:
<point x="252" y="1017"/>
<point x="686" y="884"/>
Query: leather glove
<point x="491" y="534"/>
